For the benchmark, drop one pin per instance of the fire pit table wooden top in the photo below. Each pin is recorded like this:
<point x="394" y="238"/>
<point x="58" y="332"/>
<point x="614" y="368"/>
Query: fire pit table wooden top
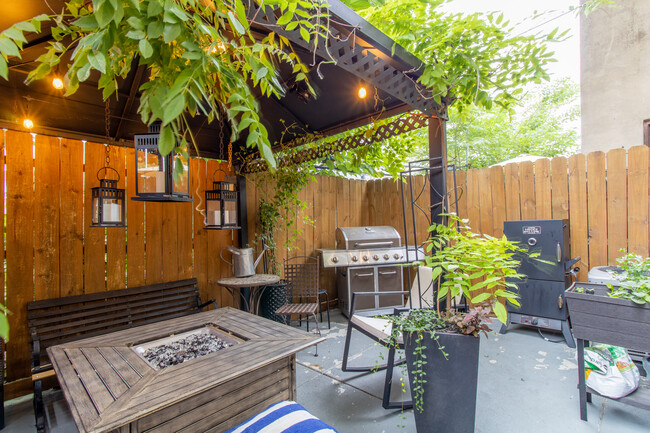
<point x="108" y="386"/>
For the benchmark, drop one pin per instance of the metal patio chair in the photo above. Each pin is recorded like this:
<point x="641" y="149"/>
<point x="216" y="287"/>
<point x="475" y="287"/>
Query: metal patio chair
<point x="371" y="324"/>
<point x="302" y="273"/>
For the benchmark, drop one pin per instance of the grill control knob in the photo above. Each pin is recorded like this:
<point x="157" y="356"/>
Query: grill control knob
<point x="375" y="257"/>
<point x="365" y="258"/>
<point x="355" y="258"/>
<point x="386" y="257"/>
<point x="396" y="256"/>
<point x="335" y="259"/>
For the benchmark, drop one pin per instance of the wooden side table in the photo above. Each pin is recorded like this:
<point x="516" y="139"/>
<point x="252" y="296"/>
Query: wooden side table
<point x="256" y="283"/>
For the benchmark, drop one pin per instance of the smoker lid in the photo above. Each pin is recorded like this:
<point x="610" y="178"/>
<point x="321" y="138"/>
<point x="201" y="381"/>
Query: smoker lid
<point x="367" y="237"/>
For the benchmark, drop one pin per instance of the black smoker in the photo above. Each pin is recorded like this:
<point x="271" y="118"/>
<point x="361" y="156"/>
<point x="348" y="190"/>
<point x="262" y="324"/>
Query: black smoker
<point x="547" y="276"/>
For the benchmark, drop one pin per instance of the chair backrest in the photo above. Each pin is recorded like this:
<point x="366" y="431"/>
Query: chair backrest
<point x="422" y="290"/>
<point x="303" y="274"/>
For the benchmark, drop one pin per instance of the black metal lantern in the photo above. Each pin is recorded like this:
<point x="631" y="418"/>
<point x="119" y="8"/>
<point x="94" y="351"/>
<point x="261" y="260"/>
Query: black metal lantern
<point x="107" y="202"/>
<point x="154" y="173"/>
<point x="221" y="204"/>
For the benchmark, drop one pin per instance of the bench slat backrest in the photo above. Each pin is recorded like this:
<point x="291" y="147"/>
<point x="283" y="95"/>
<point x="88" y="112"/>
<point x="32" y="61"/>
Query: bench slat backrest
<point x="59" y="320"/>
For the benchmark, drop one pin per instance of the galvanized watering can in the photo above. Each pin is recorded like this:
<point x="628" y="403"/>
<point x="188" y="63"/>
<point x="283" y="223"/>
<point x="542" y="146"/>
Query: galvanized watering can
<point x="242" y="260"/>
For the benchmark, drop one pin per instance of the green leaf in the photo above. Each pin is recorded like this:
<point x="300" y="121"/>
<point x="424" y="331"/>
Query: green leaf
<point x="135" y="34"/>
<point x="155" y="29"/>
<point x="8" y="47"/>
<point x="173" y="108"/>
<point x="97" y="61"/>
<point x="4" y="328"/>
<point x="305" y="34"/>
<point x="166" y="141"/>
<point x="155" y="8"/>
<point x="480" y="298"/>
<point x="15" y="34"/>
<point x="84" y="72"/>
<point x="136" y="23"/>
<point x="171" y="32"/>
<point x="285" y="19"/>
<point x="4" y="70"/>
<point x="87" y="22"/>
<point x="235" y="23"/>
<point x="500" y="312"/>
<point x="145" y="48"/>
<point x="26" y="26"/>
<point x="104" y="13"/>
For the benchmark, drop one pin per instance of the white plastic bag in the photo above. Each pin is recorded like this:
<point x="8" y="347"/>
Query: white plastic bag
<point x="610" y="371"/>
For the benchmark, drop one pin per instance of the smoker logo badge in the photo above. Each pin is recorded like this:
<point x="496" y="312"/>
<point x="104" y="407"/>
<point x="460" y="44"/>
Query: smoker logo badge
<point x="532" y="230"/>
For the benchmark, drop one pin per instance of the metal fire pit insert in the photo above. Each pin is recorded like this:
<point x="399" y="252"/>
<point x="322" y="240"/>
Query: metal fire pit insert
<point x="228" y="340"/>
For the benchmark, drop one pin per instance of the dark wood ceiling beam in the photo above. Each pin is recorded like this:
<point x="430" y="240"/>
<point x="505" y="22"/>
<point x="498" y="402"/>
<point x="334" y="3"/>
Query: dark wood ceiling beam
<point x="135" y="85"/>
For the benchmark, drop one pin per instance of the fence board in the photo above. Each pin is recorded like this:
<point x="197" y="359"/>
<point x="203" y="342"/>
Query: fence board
<point x="543" y="202"/>
<point x="3" y="212"/>
<point x="461" y="187"/>
<point x="527" y="190"/>
<point x="20" y="248"/>
<point x="637" y="232"/>
<point x="616" y="204"/>
<point x="94" y="237"/>
<point x="485" y="202"/>
<point x="511" y="185"/>
<point x="343" y="202"/>
<point x="153" y="242"/>
<point x="116" y="237"/>
<point x="135" y="251"/>
<point x="169" y="213"/>
<point x="473" y="200"/>
<point x="185" y="240"/>
<point x="198" y="180"/>
<point x="498" y="200"/>
<point x="578" y="212"/>
<point x="71" y="221"/>
<point x="596" y="208"/>
<point x="46" y="217"/>
<point x="559" y="188"/>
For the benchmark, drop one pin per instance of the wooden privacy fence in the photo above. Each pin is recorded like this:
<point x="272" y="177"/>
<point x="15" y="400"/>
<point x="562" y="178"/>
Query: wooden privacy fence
<point x="51" y="251"/>
<point x="604" y="196"/>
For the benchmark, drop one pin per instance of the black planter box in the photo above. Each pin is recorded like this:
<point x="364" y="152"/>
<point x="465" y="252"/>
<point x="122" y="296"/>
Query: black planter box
<point x="450" y="390"/>
<point x="599" y="318"/>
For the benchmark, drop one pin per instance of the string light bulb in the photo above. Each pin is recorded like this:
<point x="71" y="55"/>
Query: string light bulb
<point x="27" y="123"/>
<point x="362" y="93"/>
<point x="57" y="83"/>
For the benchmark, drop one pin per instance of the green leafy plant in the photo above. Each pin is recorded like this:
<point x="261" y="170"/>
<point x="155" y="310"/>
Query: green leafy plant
<point x="634" y="281"/>
<point x="280" y="206"/>
<point x="481" y="268"/>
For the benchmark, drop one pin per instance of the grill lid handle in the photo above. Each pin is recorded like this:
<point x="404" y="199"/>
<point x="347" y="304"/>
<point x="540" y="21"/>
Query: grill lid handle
<point x="373" y="244"/>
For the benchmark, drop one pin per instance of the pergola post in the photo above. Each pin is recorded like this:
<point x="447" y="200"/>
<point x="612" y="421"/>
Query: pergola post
<point x="438" y="178"/>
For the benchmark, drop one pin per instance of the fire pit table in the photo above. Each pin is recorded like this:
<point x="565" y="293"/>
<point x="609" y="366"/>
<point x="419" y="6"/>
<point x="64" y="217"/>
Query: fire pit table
<point x="243" y="364"/>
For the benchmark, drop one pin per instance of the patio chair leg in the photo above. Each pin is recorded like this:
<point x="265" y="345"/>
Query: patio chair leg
<point x="388" y="382"/>
<point x="317" y="329"/>
<point x="39" y="408"/>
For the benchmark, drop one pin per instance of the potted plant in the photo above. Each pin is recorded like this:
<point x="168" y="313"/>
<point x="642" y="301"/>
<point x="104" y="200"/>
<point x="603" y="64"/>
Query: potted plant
<point x="442" y="347"/>
<point x="619" y="314"/>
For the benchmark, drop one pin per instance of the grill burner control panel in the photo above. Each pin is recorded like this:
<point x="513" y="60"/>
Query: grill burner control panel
<point x="376" y="256"/>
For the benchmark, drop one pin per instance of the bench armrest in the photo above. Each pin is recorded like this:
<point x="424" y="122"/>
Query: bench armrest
<point x="205" y="304"/>
<point x="355" y="294"/>
<point x="36" y="352"/>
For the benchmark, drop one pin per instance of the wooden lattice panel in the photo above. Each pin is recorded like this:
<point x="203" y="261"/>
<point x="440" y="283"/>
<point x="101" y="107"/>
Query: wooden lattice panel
<point x="399" y="126"/>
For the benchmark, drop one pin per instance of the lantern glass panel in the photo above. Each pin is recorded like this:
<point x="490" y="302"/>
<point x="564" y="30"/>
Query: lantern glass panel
<point x="111" y="210"/>
<point x="182" y="181"/>
<point x="95" y="212"/>
<point x="213" y="209"/>
<point x="230" y="213"/>
<point x="151" y="172"/>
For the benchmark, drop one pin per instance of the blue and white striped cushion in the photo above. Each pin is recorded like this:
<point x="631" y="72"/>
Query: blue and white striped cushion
<point x="283" y="417"/>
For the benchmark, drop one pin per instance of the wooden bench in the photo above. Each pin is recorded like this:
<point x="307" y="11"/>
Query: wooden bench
<point x="70" y="318"/>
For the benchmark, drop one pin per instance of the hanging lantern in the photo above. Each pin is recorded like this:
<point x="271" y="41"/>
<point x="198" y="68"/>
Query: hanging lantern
<point x="107" y="202"/>
<point x="154" y="173"/>
<point x="221" y="204"/>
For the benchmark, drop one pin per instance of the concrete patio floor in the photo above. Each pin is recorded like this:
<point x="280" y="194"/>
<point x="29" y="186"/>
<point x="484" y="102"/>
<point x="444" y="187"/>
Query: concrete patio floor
<point x="526" y="384"/>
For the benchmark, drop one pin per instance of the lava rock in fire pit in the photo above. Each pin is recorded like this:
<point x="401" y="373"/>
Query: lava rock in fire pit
<point x="184" y="349"/>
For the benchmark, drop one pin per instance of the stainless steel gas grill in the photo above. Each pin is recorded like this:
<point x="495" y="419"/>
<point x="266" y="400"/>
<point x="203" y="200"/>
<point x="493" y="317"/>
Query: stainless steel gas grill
<point x="367" y="260"/>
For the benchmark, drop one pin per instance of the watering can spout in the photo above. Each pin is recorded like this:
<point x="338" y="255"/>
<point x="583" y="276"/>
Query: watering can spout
<point x="260" y="256"/>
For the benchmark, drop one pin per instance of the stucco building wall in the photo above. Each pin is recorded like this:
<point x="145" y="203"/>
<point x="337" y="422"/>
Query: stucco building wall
<point x="615" y="75"/>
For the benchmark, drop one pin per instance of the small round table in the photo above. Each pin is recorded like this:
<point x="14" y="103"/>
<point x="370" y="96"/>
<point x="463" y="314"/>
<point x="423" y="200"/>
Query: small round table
<point x="254" y="282"/>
